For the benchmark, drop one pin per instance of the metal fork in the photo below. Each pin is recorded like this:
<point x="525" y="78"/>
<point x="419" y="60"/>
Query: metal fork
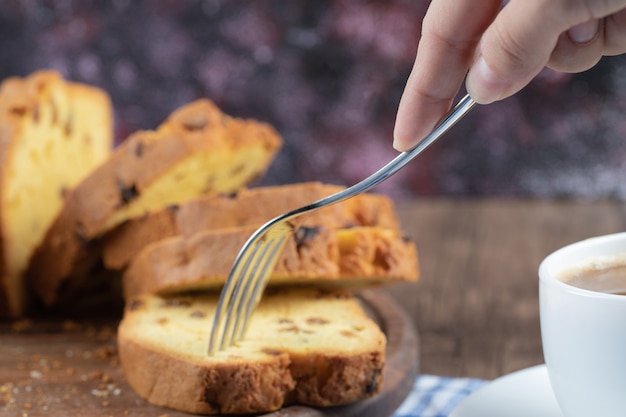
<point x="256" y="260"/>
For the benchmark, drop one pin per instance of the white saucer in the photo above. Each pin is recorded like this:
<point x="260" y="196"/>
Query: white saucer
<point x="523" y="393"/>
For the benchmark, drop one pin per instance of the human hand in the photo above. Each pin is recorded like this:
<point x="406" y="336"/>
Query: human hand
<point x="503" y="48"/>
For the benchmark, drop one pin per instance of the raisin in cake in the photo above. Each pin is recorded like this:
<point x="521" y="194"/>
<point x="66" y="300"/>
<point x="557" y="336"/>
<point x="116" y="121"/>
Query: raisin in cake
<point x="252" y="206"/>
<point x="348" y="258"/>
<point x="306" y="346"/>
<point x="52" y="134"/>
<point x="198" y="150"/>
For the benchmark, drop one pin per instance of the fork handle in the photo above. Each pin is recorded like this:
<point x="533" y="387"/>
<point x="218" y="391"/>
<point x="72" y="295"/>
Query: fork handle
<point x="449" y="120"/>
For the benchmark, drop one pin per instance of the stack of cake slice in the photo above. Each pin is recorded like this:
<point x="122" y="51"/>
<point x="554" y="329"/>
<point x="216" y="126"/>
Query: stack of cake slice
<point x="168" y="211"/>
<point x="197" y="151"/>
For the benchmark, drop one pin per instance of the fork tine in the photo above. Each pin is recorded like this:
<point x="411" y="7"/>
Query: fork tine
<point x="241" y="296"/>
<point x="238" y="281"/>
<point x="257" y="284"/>
<point x="224" y="304"/>
<point x="241" y="292"/>
<point x="275" y="236"/>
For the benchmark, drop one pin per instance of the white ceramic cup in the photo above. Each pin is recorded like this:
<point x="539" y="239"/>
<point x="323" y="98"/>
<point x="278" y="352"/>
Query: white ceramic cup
<point x="584" y="332"/>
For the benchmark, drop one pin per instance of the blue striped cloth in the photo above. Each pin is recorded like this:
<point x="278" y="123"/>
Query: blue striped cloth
<point x="435" y="396"/>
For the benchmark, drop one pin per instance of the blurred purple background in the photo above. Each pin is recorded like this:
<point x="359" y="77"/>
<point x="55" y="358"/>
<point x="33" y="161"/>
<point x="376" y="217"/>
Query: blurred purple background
<point x="328" y="76"/>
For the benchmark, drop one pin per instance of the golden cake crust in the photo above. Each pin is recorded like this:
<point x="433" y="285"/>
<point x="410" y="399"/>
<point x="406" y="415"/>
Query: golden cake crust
<point x="349" y="258"/>
<point x="197" y="150"/>
<point x="248" y="207"/>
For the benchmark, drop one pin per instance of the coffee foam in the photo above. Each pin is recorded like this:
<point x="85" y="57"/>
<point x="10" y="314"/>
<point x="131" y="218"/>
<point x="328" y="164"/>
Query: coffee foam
<point x="605" y="274"/>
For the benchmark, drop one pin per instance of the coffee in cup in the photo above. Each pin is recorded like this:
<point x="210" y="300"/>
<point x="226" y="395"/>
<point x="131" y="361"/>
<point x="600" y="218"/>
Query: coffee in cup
<point x="606" y="274"/>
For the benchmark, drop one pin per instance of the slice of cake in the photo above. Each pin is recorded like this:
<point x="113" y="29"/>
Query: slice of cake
<point x="198" y="150"/>
<point x="53" y="133"/>
<point x="315" y="254"/>
<point x="248" y="207"/>
<point x="306" y="346"/>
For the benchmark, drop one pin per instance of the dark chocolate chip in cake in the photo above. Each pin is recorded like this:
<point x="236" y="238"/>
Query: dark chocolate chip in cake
<point x="175" y="302"/>
<point x="271" y="352"/>
<point x="18" y="111"/>
<point x="373" y="384"/>
<point x="291" y="329"/>
<point x="347" y="333"/>
<point x="304" y="234"/>
<point x="135" y="305"/>
<point x="127" y="193"/>
<point x="139" y="149"/>
<point x="81" y="235"/>
<point x="316" y="320"/>
<point x="198" y="314"/>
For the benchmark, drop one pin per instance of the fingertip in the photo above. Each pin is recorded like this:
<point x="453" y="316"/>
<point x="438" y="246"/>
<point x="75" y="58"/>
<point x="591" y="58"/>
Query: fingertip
<point x="413" y="122"/>
<point x="401" y="145"/>
<point x="484" y="85"/>
<point x="402" y="139"/>
<point x="417" y="116"/>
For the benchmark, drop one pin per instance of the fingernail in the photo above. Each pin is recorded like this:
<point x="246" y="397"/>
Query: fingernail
<point x="403" y="141"/>
<point x="400" y="144"/>
<point x="584" y="32"/>
<point x="484" y="85"/>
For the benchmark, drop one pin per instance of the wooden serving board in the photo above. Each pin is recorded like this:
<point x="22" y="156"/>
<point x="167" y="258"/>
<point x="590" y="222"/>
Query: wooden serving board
<point x="71" y="368"/>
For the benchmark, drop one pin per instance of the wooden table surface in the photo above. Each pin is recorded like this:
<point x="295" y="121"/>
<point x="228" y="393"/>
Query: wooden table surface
<point x="475" y="307"/>
<point x="476" y="304"/>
